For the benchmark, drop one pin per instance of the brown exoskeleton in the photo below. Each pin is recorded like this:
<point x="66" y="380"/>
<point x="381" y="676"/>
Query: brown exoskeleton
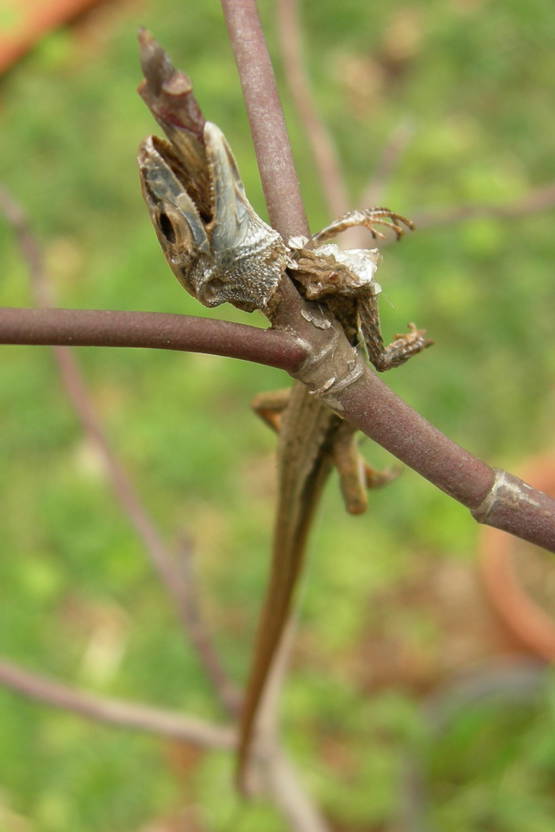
<point x="218" y="246"/>
<point x="221" y="250"/>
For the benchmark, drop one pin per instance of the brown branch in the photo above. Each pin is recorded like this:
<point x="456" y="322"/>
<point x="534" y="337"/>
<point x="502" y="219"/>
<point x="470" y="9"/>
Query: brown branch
<point x="116" y="711"/>
<point x="283" y="781"/>
<point x="285" y="788"/>
<point x="197" y="629"/>
<point x="382" y="416"/>
<point x="404" y="432"/>
<point x="323" y="149"/>
<point x="269" y="132"/>
<point x="495" y="498"/>
<point x="152" y="330"/>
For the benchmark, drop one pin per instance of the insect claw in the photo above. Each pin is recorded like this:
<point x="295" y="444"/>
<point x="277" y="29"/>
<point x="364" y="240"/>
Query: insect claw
<point x="376" y="235"/>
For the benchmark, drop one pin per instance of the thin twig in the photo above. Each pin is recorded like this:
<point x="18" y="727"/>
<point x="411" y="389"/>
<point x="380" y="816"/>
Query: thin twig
<point x="284" y="784"/>
<point x="324" y="152"/>
<point x="373" y="194"/>
<point x="283" y="781"/>
<point x="116" y="711"/>
<point x="75" y="386"/>
<point x="196" y="624"/>
<point x="536" y="200"/>
<point x="269" y="132"/>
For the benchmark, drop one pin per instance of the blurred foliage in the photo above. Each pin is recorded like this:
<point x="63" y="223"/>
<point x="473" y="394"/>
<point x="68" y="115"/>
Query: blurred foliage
<point x="473" y="79"/>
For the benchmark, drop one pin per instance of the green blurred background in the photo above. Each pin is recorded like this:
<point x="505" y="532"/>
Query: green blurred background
<point x="392" y="610"/>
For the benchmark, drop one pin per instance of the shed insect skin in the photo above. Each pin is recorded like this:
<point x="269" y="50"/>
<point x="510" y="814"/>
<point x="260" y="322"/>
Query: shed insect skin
<point x="221" y="251"/>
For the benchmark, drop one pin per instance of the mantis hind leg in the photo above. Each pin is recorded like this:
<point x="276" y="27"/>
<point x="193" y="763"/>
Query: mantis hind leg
<point x="355" y="475"/>
<point x="270" y="405"/>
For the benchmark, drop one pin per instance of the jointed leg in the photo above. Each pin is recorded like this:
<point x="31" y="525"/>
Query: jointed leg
<point x="350" y="467"/>
<point x="269" y="406"/>
<point x="401" y="348"/>
<point x="368" y="218"/>
<point x="376" y="478"/>
<point x="355" y="475"/>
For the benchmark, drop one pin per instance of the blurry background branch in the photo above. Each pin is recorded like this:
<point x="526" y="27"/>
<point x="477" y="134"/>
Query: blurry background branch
<point x="124" y="714"/>
<point x="327" y="163"/>
<point x="162" y="559"/>
<point x="534" y="201"/>
<point x="323" y="149"/>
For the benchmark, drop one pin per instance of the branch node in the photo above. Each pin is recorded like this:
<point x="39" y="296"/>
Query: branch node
<point x="507" y="490"/>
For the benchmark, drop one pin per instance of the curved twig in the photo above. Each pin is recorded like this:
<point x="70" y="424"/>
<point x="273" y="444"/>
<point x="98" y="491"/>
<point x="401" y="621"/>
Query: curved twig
<point x="535" y="200"/>
<point x="386" y="165"/>
<point x="282" y="779"/>
<point x="116" y="711"/>
<point x="75" y="386"/>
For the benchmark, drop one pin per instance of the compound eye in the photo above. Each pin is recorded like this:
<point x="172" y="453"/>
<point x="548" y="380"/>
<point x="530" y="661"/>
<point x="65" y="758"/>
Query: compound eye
<point x="166" y="227"/>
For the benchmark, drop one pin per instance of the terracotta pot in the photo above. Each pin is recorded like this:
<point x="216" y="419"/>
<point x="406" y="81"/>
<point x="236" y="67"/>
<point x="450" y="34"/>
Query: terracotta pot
<point x="28" y="21"/>
<point x="519" y="578"/>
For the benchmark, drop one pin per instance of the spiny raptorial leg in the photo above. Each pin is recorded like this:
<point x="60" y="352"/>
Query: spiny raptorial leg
<point x="403" y="346"/>
<point x="368" y="218"/>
